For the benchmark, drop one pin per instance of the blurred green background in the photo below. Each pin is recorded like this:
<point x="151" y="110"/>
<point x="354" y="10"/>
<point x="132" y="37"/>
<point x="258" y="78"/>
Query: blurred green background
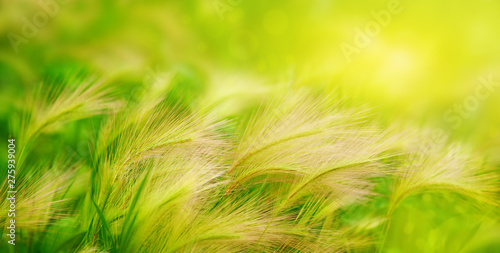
<point x="434" y="63"/>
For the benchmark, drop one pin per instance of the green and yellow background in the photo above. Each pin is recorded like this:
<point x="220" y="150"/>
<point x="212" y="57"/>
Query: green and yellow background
<point x="221" y="59"/>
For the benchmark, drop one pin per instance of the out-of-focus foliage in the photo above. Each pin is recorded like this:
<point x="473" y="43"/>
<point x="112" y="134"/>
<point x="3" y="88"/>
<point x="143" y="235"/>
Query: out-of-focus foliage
<point x="237" y="125"/>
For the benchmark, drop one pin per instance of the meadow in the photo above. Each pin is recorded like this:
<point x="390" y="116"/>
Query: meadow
<point x="248" y="126"/>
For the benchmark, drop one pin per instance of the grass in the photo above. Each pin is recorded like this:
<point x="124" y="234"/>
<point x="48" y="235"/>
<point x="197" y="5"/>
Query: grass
<point x="167" y="173"/>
